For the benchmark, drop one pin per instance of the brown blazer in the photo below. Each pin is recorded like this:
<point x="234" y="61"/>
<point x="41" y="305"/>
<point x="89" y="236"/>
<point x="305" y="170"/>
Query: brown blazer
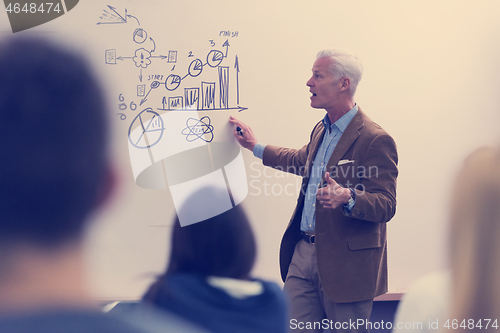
<point x="351" y="250"/>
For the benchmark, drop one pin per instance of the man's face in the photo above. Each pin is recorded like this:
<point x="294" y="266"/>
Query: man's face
<point x="324" y="89"/>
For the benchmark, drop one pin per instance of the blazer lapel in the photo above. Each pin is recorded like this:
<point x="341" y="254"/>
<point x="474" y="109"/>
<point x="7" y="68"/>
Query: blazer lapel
<point x="350" y="135"/>
<point x="316" y="142"/>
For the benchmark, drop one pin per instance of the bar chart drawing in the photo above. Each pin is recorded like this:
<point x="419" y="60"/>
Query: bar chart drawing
<point x="208" y="95"/>
<point x="224" y="87"/>
<point x="187" y="143"/>
<point x="192" y="97"/>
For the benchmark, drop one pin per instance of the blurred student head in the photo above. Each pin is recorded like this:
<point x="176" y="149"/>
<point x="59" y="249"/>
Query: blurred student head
<point x="475" y="238"/>
<point x="53" y="127"/>
<point x="223" y="245"/>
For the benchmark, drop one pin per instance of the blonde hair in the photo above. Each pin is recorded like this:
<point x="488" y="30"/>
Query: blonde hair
<point x="475" y="240"/>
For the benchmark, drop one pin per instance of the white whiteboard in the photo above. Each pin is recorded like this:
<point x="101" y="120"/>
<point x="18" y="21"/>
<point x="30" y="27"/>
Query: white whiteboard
<point x="431" y="78"/>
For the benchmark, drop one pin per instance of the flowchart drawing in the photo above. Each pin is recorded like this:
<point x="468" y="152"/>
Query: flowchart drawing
<point x="140" y="36"/>
<point x="179" y="135"/>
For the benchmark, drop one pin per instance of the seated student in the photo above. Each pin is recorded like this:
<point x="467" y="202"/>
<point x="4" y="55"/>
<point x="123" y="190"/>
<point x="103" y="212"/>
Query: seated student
<point x="208" y="278"/>
<point x="474" y="244"/>
<point x="465" y="298"/>
<point x="54" y="172"/>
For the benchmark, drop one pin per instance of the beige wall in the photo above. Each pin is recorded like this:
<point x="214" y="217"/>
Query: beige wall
<point x="431" y="78"/>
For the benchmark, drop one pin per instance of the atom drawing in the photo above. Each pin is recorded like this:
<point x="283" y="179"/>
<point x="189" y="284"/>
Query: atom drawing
<point x="197" y="129"/>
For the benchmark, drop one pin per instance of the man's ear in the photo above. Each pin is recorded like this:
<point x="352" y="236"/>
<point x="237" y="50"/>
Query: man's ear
<point x="346" y="83"/>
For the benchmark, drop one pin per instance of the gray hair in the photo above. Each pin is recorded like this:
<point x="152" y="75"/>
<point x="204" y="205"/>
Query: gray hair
<point x="344" y="64"/>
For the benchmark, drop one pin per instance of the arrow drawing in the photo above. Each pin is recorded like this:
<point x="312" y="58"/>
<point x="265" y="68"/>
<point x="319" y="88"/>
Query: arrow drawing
<point x="154" y="44"/>
<point x="154" y="85"/>
<point x="145" y="98"/>
<point x="113" y="17"/>
<point x="226" y="45"/>
<point x="237" y="66"/>
<point x="239" y="108"/>
<point x="135" y="19"/>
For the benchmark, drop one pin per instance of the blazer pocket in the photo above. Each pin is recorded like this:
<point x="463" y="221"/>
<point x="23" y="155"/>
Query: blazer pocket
<point x="364" y="242"/>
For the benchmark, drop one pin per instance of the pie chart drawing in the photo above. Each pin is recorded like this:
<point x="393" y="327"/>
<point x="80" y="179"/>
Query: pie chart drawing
<point x="214" y="58"/>
<point x="195" y="68"/>
<point x="140" y="36"/>
<point x="172" y="82"/>
<point x="146" y="129"/>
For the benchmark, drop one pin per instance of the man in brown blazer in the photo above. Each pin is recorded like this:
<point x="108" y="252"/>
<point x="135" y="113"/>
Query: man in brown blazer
<point x="333" y="255"/>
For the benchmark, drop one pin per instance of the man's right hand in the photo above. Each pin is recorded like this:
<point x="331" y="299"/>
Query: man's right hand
<point x="246" y="139"/>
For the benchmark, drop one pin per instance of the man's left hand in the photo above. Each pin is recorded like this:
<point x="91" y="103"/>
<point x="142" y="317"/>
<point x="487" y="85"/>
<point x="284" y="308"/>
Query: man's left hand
<point x="332" y="195"/>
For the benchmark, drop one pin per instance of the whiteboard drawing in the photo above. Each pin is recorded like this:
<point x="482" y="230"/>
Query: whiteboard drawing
<point x="140" y="35"/>
<point x="151" y="124"/>
<point x="179" y="135"/>
<point x="111" y="16"/>
<point x="199" y="129"/>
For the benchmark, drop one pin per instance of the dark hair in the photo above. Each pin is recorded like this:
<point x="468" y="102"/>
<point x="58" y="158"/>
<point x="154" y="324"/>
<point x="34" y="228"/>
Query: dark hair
<point x="52" y="142"/>
<point x="223" y="245"/>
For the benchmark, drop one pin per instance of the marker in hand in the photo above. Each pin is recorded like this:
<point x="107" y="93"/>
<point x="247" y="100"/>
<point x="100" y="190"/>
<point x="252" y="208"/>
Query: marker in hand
<point x="243" y="134"/>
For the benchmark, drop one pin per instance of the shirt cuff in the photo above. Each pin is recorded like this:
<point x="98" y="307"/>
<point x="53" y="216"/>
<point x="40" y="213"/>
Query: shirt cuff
<point x="258" y="150"/>
<point x="347" y="208"/>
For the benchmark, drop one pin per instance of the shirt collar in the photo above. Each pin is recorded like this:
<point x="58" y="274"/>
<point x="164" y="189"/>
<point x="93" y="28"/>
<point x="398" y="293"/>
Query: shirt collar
<point x="343" y="121"/>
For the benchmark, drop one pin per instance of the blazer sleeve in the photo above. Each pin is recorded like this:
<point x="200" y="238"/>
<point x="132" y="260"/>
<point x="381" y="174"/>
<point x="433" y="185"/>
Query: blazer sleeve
<point x="286" y="159"/>
<point x="376" y="191"/>
<point x="291" y="160"/>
